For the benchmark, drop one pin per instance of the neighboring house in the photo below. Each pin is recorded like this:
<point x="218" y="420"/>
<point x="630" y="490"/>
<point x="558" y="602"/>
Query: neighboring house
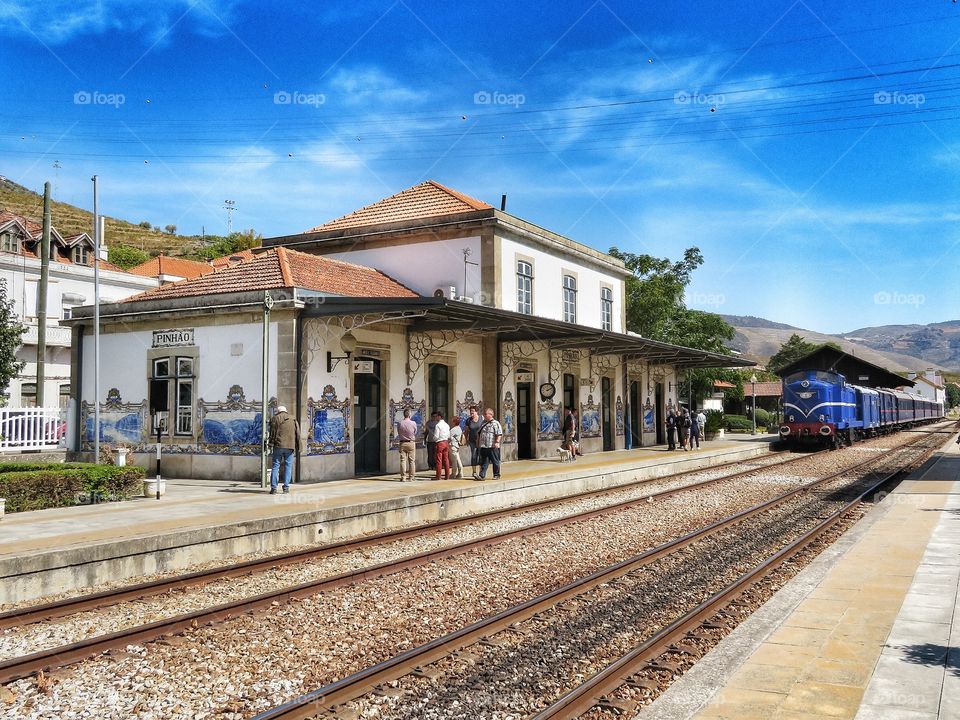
<point x="929" y="384"/>
<point x="70" y="285"/>
<point x="358" y="332"/>
<point x="768" y="394"/>
<point x="168" y="269"/>
<point x="715" y="401"/>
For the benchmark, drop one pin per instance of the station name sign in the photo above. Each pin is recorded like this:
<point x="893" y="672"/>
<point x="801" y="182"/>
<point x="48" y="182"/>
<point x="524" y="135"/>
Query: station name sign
<point x="173" y="337"/>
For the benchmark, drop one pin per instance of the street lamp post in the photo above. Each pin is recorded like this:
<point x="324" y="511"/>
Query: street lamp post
<point x="753" y="407"/>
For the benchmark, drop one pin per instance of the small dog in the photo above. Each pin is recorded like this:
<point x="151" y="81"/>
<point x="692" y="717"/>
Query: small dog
<point x="565" y="455"/>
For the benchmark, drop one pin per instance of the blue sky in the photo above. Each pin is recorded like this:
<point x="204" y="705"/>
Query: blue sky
<point x="808" y="148"/>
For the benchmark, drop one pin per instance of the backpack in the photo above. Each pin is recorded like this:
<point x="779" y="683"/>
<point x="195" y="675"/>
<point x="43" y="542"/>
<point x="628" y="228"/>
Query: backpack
<point x="686" y="421"/>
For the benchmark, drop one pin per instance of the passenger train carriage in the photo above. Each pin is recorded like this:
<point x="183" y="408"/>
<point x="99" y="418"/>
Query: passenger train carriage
<point x="820" y="406"/>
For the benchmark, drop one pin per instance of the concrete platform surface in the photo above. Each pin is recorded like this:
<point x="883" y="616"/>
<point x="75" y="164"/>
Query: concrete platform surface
<point x="869" y="630"/>
<point x="54" y="550"/>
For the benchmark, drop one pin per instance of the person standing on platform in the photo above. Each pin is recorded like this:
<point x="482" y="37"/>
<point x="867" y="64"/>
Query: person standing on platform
<point x="671" y="430"/>
<point x="428" y="434"/>
<point x="473" y="427"/>
<point x="441" y="440"/>
<point x="456" y="442"/>
<point x="576" y="433"/>
<point x="683" y="426"/>
<point x="694" y="430"/>
<point x="407" y="435"/>
<point x="489" y="436"/>
<point x="568" y="431"/>
<point x="285" y="438"/>
<point x="702" y="422"/>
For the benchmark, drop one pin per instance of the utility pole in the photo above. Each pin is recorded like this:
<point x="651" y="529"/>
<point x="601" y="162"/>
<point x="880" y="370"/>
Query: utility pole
<point x="229" y="206"/>
<point x="264" y="388"/>
<point x="96" y="321"/>
<point x="42" y="298"/>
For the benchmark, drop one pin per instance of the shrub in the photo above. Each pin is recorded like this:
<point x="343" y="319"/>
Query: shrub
<point x="38" y="486"/>
<point x="764" y="417"/>
<point x="737" y="422"/>
<point x="714" y="420"/>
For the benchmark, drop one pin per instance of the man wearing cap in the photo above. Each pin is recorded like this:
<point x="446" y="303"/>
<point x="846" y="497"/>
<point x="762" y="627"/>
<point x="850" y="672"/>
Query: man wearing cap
<point x="285" y="438"/>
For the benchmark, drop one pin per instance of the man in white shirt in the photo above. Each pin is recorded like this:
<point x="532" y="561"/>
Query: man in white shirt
<point x="441" y="436"/>
<point x="489" y="436"/>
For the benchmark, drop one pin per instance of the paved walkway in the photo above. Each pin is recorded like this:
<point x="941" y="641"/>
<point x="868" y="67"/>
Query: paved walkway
<point x="193" y="504"/>
<point x="878" y="635"/>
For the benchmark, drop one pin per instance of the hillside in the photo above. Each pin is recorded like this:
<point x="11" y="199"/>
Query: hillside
<point x="70" y="220"/>
<point x="896" y="347"/>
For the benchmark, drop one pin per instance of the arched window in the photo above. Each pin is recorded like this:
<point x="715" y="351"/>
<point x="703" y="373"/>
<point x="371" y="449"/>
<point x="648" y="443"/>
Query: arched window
<point x="524" y="287"/>
<point x="569" y="299"/>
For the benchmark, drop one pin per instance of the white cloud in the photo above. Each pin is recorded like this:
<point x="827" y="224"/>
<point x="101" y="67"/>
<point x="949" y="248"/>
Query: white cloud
<point x="59" y="21"/>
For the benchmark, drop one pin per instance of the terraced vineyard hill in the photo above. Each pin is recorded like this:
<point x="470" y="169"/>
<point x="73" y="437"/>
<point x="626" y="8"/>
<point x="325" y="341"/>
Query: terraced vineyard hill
<point x="70" y="220"/>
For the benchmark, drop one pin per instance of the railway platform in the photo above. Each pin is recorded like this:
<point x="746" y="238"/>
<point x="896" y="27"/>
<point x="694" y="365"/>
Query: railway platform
<point x="870" y="630"/>
<point x="60" y="550"/>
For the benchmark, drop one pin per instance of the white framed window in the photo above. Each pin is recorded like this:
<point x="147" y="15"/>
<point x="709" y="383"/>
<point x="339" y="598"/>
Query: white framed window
<point x="161" y="368"/>
<point x="569" y="299"/>
<point x="606" y="308"/>
<point x="524" y="287"/>
<point x="81" y="254"/>
<point x="9" y="242"/>
<point x="184" y="402"/>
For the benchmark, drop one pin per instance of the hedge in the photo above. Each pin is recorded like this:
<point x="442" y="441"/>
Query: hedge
<point x="737" y="422"/>
<point x="60" y="485"/>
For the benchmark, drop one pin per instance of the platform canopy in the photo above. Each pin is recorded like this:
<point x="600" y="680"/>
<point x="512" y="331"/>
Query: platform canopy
<point x="441" y="315"/>
<point x="856" y="370"/>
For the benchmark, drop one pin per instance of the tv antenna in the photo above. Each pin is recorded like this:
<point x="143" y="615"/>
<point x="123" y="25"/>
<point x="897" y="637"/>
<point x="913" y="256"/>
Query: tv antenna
<point x="467" y="252"/>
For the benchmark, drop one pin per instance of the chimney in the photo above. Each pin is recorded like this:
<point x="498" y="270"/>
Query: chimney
<point x="503" y="202"/>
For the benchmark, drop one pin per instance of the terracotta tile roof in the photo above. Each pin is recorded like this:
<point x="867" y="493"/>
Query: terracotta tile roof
<point x="283" y="268"/>
<point x="63" y="249"/>
<point x="763" y="389"/>
<point x="225" y="261"/>
<point x="426" y="200"/>
<point x="166" y="265"/>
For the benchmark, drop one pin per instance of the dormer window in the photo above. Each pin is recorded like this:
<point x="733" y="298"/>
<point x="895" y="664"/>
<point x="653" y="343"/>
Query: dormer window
<point x="9" y="242"/>
<point x="81" y="255"/>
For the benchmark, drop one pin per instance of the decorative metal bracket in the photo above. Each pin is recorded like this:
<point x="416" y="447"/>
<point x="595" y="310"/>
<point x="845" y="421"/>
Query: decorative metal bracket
<point x="420" y="345"/>
<point x="600" y="365"/>
<point x="315" y="340"/>
<point x="513" y="353"/>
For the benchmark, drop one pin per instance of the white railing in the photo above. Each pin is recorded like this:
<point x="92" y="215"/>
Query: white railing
<point x="32" y="429"/>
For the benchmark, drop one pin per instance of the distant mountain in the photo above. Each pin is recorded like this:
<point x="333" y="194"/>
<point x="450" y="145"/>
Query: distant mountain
<point x="70" y="220"/>
<point x="899" y="348"/>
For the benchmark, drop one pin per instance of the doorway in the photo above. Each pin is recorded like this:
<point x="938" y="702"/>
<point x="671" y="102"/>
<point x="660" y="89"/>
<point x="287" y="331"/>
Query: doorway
<point x="606" y="413"/>
<point x="635" y="414"/>
<point x="367" y="439"/>
<point x="658" y="413"/>
<point x="524" y="420"/>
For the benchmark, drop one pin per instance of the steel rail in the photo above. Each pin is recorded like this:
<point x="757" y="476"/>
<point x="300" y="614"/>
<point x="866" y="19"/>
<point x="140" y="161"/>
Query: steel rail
<point x="591" y="693"/>
<point x="24" y="666"/>
<point x="327" y="698"/>
<point x="93" y="601"/>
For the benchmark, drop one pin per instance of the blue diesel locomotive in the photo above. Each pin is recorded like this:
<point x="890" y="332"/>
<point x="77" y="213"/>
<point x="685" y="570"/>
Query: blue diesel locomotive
<point x="820" y="406"/>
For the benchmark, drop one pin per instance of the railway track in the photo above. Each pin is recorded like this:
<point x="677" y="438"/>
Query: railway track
<point x="19" y="617"/>
<point x="418" y="665"/>
<point x="51" y="658"/>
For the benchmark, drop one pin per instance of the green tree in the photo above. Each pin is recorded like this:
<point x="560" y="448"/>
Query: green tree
<point x="171" y="229"/>
<point x="126" y="256"/>
<point x="953" y="395"/>
<point x="656" y="310"/>
<point x="11" y="332"/>
<point x="793" y="349"/>
<point x="218" y="245"/>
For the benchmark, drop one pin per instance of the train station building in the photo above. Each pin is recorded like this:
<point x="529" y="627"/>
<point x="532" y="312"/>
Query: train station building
<point x="426" y="300"/>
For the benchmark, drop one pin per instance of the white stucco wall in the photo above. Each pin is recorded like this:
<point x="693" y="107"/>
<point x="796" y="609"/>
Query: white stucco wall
<point x="548" y="272"/>
<point x="424" y="266"/>
<point x="22" y="277"/>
